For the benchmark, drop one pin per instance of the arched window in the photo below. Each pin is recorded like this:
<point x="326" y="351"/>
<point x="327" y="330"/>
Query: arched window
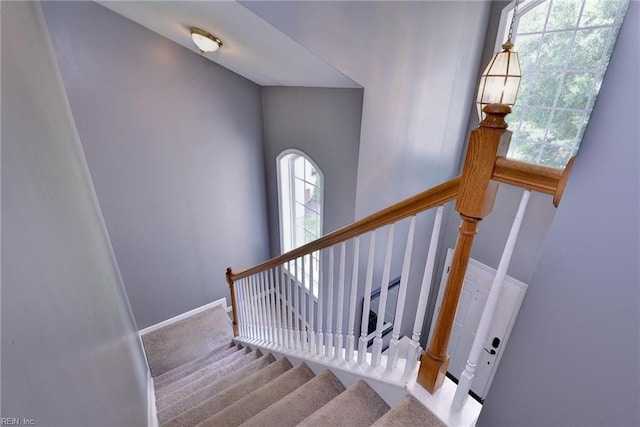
<point x="564" y="48"/>
<point x="300" y="192"/>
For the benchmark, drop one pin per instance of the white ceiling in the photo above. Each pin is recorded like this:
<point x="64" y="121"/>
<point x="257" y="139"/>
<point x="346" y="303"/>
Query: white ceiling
<point x="251" y="47"/>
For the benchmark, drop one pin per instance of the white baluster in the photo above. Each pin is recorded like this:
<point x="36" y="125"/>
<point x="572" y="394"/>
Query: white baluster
<point x="366" y="306"/>
<point x="278" y="303"/>
<point x="237" y="285"/>
<point x="312" y="321"/>
<point x="246" y="307"/>
<point x="466" y="378"/>
<point x="376" y="351"/>
<point x="283" y="307"/>
<point x="290" y="309"/>
<point x="251" y="307"/>
<point x="303" y="281"/>
<point x="242" y="318"/>
<point x="352" y="300"/>
<point x="296" y="305"/>
<point x="414" y="346"/>
<point x="328" y="335"/>
<point x="274" y="306"/>
<point x="392" y="360"/>
<point x="265" y="305"/>
<point x="339" y="315"/>
<point x="258" y="305"/>
<point x="319" y="333"/>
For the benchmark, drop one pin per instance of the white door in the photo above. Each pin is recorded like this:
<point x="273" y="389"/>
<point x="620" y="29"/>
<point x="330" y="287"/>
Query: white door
<point x="475" y="290"/>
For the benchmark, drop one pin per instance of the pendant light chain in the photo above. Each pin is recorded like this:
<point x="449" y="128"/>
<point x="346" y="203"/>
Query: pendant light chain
<point x="513" y="20"/>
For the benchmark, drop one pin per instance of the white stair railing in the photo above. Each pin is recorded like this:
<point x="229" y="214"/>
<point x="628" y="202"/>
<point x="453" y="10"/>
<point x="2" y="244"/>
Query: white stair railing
<point x="392" y="360"/>
<point x="311" y="322"/>
<point x="278" y="306"/>
<point x="337" y="348"/>
<point x="466" y="378"/>
<point x="319" y="332"/>
<point x="382" y="304"/>
<point x="366" y="306"/>
<point x="303" y="304"/>
<point x="291" y="309"/>
<point x="290" y="304"/>
<point x="414" y="350"/>
<point x="328" y="341"/>
<point x="352" y="300"/>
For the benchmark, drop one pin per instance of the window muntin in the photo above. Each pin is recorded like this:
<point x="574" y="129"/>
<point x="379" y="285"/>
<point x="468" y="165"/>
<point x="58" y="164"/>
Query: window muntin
<point x="564" y="48"/>
<point x="301" y="202"/>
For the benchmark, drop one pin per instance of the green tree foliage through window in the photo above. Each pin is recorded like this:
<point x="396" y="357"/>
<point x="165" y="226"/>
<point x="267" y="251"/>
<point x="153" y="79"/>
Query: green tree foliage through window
<point x="564" y="48"/>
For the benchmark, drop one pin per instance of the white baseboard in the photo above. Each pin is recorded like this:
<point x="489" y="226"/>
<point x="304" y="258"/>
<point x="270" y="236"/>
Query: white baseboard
<point x="152" y="410"/>
<point x="221" y="301"/>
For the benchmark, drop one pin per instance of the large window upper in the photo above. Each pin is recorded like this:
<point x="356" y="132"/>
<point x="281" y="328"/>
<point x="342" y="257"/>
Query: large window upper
<point x="300" y="190"/>
<point x="564" y="48"/>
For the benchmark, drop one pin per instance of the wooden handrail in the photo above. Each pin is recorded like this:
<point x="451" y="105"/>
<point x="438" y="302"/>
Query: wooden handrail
<point x="544" y="179"/>
<point x="428" y="199"/>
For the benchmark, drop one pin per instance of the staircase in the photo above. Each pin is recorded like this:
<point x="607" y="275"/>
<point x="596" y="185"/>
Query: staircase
<point x="202" y="378"/>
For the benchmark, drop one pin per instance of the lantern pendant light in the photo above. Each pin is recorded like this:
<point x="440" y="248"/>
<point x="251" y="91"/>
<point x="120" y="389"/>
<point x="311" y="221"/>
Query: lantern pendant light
<point x="500" y="81"/>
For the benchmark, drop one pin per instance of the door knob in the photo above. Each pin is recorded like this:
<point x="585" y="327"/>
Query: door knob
<point x="492" y="351"/>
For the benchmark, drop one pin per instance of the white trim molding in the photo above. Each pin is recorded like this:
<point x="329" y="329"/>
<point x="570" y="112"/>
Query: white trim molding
<point x="222" y="302"/>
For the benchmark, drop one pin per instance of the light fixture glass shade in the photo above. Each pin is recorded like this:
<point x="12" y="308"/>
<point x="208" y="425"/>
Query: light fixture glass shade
<point x="500" y="81"/>
<point x="205" y="41"/>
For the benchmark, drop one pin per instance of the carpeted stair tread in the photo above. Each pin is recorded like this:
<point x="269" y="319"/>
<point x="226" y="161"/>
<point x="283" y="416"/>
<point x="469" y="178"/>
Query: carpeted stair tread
<point x="204" y="371"/>
<point x="198" y="382"/>
<point x="409" y="412"/>
<point x="191" y="367"/>
<point x="300" y="403"/>
<point x="199" y="406"/>
<point x="187" y="339"/>
<point x="261" y="398"/>
<point x="221" y="386"/>
<point x="359" y="405"/>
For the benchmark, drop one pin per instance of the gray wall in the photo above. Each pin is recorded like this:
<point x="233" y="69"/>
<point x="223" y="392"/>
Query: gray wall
<point x="417" y="63"/>
<point x="324" y="123"/>
<point x="573" y="358"/>
<point x="70" y="351"/>
<point x="174" y="145"/>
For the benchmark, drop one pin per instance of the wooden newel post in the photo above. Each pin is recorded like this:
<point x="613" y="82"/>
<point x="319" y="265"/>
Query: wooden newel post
<point x="475" y="201"/>
<point x="234" y="307"/>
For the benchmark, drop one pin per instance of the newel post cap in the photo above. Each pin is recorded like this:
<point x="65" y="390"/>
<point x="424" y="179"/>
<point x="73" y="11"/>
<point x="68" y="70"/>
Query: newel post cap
<point x="495" y="114"/>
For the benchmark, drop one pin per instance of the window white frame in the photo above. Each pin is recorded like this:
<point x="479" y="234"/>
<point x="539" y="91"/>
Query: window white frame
<point x="287" y="204"/>
<point x="547" y="147"/>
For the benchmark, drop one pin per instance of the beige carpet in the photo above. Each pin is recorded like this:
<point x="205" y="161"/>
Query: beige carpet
<point x="190" y="367"/>
<point x="359" y="405"/>
<point x="202" y="404"/>
<point x="299" y="404"/>
<point x="407" y="413"/>
<point x="186" y="340"/>
<point x="203" y="379"/>
<point x="211" y="371"/>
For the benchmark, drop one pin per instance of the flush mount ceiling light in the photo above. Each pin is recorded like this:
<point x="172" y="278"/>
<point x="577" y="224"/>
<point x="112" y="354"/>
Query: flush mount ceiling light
<point x="205" y="41"/>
